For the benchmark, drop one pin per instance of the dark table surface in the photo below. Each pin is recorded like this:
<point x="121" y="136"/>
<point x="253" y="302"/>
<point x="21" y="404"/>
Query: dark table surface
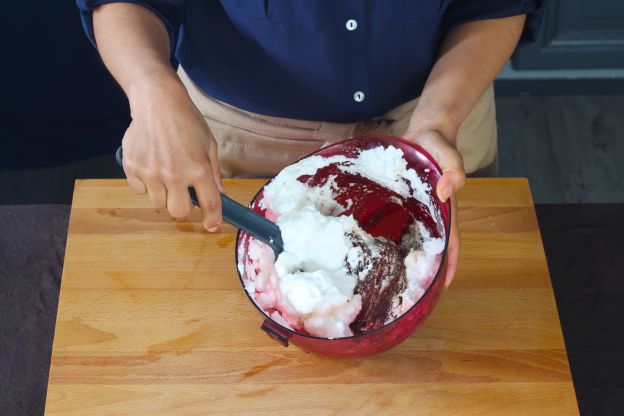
<point x="584" y="245"/>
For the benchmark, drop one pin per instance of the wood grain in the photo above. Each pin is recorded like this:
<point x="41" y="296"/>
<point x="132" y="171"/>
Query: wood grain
<point x="152" y="321"/>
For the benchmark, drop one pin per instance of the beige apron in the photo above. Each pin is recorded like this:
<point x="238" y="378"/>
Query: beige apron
<point x="254" y="145"/>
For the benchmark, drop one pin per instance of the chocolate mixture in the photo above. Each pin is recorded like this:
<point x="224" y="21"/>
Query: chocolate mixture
<point x="384" y="277"/>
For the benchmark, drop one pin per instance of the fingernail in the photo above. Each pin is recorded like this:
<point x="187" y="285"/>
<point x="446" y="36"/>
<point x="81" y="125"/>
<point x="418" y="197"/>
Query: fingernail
<point x="213" y="229"/>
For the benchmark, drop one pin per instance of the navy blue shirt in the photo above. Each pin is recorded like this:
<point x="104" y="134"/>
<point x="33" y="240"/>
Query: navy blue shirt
<point x="330" y="60"/>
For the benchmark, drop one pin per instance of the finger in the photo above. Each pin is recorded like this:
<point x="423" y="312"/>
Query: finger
<point x="454" y="245"/>
<point x="450" y="161"/>
<point x="136" y="184"/>
<point x="157" y="194"/>
<point x="179" y="202"/>
<point x="210" y="204"/>
<point x="452" y="165"/>
<point x="453" y="255"/>
<point x="214" y="163"/>
<point x="450" y="182"/>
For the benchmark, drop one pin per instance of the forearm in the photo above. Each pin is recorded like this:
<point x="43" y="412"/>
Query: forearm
<point x="470" y="58"/>
<point x="134" y="45"/>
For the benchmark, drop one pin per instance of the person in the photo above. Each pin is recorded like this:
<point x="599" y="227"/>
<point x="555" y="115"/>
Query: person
<point x="261" y="83"/>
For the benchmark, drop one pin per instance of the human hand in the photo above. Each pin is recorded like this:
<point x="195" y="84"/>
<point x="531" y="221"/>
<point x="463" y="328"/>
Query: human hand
<point x="167" y="148"/>
<point x="453" y="178"/>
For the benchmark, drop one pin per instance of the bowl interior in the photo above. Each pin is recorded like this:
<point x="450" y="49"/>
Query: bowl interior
<point x="377" y="210"/>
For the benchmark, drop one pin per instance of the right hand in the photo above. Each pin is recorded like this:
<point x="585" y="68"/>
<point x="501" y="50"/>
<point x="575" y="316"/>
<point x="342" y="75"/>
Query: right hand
<point x="168" y="147"/>
<point x="453" y="178"/>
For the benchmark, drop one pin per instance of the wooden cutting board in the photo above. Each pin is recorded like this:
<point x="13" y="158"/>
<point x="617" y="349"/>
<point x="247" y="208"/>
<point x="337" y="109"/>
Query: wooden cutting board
<point x="152" y="320"/>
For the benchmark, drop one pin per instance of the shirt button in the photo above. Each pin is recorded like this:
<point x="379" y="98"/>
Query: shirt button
<point x="358" y="96"/>
<point x="351" y="24"/>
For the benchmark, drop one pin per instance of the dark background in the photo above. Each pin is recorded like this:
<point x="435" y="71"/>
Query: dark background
<point x="560" y="106"/>
<point x="58" y="103"/>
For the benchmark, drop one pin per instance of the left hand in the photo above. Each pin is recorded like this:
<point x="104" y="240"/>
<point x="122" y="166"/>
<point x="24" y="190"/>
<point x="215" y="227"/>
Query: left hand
<point x="453" y="178"/>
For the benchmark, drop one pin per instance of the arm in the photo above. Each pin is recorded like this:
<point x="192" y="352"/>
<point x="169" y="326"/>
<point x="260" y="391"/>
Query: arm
<point x="134" y="44"/>
<point x="168" y="146"/>
<point x="470" y="58"/>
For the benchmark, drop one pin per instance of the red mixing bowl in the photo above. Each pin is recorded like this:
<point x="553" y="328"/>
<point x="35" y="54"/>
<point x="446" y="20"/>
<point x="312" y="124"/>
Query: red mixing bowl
<point x="382" y="218"/>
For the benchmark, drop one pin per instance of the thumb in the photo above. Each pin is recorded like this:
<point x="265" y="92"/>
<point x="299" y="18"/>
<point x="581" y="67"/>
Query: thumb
<point x="451" y="181"/>
<point x="449" y="159"/>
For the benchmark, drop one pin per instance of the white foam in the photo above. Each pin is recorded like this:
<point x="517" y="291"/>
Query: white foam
<point x="309" y="283"/>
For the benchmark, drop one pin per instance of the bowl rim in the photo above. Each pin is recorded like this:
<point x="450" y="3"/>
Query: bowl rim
<point x="447" y="230"/>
